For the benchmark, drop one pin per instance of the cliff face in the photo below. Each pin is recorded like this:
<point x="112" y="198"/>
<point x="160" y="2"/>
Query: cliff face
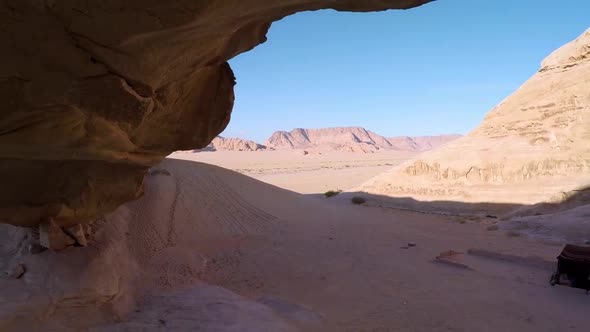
<point x="352" y="139"/>
<point x="233" y="144"/>
<point x="96" y="92"/>
<point x="538" y="139"/>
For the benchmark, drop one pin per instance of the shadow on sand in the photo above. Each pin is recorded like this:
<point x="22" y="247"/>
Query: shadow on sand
<point x="569" y="200"/>
<point x="565" y="220"/>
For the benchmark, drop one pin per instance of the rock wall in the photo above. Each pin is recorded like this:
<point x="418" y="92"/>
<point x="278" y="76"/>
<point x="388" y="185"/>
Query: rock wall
<point x="352" y="139"/>
<point x="95" y="92"/>
<point x="233" y="144"/>
<point x="532" y="145"/>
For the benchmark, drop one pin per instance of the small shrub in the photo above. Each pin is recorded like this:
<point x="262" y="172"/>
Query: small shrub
<point x="493" y="228"/>
<point x="513" y="234"/>
<point x="358" y="200"/>
<point x="331" y="193"/>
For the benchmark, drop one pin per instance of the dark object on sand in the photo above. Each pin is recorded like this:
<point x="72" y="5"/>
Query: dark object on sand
<point x="358" y="200"/>
<point x="574" y="262"/>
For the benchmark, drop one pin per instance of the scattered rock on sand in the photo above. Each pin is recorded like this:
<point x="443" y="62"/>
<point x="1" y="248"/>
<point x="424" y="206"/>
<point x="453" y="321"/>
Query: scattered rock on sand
<point x="492" y="228"/>
<point x="78" y="233"/>
<point x="451" y="257"/>
<point x="16" y="272"/>
<point x="53" y="237"/>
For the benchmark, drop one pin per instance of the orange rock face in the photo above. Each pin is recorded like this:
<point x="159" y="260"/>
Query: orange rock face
<point x="94" y="93"/>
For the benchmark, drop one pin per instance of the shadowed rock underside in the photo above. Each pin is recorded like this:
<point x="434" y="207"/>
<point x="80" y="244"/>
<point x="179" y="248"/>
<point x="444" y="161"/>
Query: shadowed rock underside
<point x="94" y="93"/>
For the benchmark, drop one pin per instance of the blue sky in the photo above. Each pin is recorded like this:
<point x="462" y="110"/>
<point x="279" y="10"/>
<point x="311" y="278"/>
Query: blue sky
<point x="431" y="70"/>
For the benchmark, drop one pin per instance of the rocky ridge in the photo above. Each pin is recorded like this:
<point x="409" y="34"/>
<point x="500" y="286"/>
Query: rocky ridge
<point x="352" y="139"/>
<point x="532" y="145"/>
<point x="233" y="144"/>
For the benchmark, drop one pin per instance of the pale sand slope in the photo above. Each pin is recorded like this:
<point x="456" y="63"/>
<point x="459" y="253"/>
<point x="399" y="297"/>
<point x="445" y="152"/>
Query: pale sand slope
<point x="319" y="266"/>
<point x="311" y="173"/>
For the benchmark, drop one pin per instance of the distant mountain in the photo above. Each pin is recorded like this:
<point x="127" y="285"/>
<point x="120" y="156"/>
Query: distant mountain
<point x="421" y="143"/>
<point x="352" y="139"/>
<point x="233" y="144"/>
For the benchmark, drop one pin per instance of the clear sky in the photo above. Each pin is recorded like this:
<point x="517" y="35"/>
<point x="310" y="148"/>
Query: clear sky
<point x="430" y="70"/>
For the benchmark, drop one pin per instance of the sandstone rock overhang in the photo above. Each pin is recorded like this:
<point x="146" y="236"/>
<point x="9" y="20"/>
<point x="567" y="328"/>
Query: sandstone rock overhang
<point x="95" y="92"/>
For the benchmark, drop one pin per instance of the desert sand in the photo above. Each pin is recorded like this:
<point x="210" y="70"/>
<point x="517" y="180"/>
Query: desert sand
<point x="99" y="232"/>
<point x="287" y="261"/>
<point x="302" y="171"/>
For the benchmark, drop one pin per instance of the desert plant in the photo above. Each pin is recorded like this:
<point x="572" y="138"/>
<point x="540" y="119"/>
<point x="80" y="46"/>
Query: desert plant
<point x="513" y="234"/>
<point x="358" y="200"/>
<point x="331" y="193"/>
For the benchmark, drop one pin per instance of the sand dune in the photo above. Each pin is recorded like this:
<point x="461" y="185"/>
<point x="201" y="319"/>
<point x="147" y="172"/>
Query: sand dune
<point x="153" y="246"/>
<point x="314" y="172"/>
<point x="296" y="262"/>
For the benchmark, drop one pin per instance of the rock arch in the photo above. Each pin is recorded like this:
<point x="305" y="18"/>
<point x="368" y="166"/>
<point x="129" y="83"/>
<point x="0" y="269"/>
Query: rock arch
<point x="94" y="93"/>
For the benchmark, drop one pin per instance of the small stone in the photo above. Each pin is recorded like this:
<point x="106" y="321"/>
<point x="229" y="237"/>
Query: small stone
<point x="492" y="228"/>
<point x="51" y="236"/>
<point x="87" y="229"/>
<point x="77" y="232"/>
<point x="35" y="248"/>
<point x="17" y="272"/>
<point x="411" y="244"/>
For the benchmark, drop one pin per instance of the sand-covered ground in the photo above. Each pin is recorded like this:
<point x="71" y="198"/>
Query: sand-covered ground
<point x="315" y="172"/>
<point x="325" y="266"/>
<point x="211" y="249"/>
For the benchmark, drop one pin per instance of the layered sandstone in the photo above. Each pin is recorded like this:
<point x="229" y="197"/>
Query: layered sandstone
<point x="534" y="144"/>
<point x="233" y="144"/>
<point x="96" y="92"/>
<point x="352" y="139"/>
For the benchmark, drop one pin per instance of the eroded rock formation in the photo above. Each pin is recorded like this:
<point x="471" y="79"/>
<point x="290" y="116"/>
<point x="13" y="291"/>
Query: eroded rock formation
<point x="96" y="92"/>
<point x="534" y="144"/>
<point x="233" y="144"/>
<point x="352" y="139"/>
